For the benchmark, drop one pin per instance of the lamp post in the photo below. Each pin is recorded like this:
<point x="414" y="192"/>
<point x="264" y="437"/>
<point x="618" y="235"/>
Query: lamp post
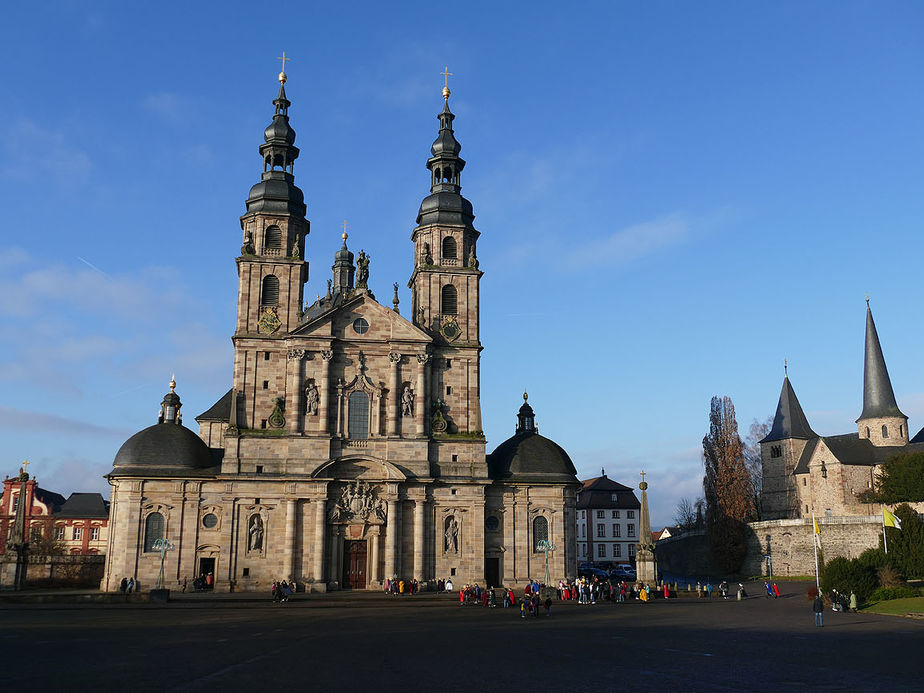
<point x="163" y="546"/>
<point x="546" y="547"/>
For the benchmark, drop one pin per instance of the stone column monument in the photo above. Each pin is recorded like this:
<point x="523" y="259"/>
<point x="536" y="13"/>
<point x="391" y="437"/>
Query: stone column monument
<point x="644" y="554"/>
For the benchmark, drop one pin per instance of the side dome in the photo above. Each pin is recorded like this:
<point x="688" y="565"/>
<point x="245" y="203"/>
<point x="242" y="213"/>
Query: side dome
<point x="167" y="448"/>
<point x="164" y="446"/>
<point x="530" y="457"/>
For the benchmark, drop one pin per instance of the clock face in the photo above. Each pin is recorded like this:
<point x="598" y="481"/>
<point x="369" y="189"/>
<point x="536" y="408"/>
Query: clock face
<point x="269" y="321"/>
<point x="450" y="330"/>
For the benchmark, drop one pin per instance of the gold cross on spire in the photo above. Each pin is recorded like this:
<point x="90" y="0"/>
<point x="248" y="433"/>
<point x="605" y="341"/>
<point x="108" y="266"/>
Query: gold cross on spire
<point x="643" y="475"/>
<point x="446" y="75"/>
<point x="344" y="236"/>
<point x="25" y="465"/>
<point x="786" y="367"/>
<point x="282" y="75"/>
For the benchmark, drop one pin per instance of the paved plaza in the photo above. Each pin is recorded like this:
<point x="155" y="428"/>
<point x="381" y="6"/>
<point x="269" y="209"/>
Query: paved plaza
<point x="429" y="643"/>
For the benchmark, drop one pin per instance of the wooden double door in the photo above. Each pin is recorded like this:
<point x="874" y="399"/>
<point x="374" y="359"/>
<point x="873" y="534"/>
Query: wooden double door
<point x="354" y="564"/>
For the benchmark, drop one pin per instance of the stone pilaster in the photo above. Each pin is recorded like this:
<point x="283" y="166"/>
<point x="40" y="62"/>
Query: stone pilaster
<point x="392" y="540"/>
<point x="422" y="367"/>
<point x="324" y="404"/>
<point x="320" y="522"/>
<point x="295" y="409"/>
<point x="420" y="506"/>
<point x="289" y="552"/>
<point x="375" y="539"/>
<point x="394" y="404"/>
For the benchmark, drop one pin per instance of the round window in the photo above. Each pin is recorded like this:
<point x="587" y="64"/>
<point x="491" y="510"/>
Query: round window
<point x="360" y="326"/>
<point x="210" y="521"/>
<point x="491" y="523"/>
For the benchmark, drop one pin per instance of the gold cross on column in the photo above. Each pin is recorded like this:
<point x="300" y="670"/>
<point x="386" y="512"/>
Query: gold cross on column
<point x="643" y="475"/>
<point x="344" y="229"/>
<point x="25" y="465"/>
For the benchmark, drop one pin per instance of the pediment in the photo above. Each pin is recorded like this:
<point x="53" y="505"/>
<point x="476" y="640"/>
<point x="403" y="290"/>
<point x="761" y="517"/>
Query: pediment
<point x="359" y="467"/>
<point x="384" y="324"/>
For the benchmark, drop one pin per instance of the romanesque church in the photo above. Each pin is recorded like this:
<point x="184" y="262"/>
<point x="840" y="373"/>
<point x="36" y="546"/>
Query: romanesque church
<point x="349" y="448"/>
<point x="805" y="474"/>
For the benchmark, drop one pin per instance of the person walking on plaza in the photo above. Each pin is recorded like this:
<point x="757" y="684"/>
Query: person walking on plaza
<point x="818" y="606"/>
<point x="853" y="601"/>
<point x="776" y="591"/>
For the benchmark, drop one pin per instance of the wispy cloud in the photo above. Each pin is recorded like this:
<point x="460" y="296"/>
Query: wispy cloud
<point x="61" y="160"/>
<point x="167" y="105"/>
<point x="12" y="419"/>
<point x="632" y="242"/>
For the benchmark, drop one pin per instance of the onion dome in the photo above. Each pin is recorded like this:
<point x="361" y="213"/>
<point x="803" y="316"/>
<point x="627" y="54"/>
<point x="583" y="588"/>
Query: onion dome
<point x="276" y="191"/>
<point x="529" y="457"/>
<point x="445" y="204"/>
<point x="167" y="448"/>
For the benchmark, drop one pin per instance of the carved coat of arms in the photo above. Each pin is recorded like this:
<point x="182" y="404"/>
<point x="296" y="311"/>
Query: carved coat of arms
<point x="358" y="503"/>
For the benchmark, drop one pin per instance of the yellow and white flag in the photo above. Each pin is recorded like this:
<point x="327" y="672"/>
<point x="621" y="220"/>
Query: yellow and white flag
<point x="889" y="520"/>
<point x="816" y="532"/>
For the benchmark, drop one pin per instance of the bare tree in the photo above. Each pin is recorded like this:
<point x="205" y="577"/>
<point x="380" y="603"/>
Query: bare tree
<point x="685" y="514"/>
<point x="727" y="486"/>
<point x="757" y="432"/>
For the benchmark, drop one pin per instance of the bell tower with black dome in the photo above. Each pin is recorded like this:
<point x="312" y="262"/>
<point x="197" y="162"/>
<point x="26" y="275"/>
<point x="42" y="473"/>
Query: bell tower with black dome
<point x="445" y="283"/>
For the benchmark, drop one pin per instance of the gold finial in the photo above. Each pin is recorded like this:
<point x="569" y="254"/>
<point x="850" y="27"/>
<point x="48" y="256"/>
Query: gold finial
<point x="446" y="75"/>
<point x="525" y="396"/>
<point x="344" y="236"/>
<point x="172" y="382"/>
<point x="282" y="75"/>
<point x="786" y="367"/>
<point x="867" y="298"/>
<point x="643" y="474"/>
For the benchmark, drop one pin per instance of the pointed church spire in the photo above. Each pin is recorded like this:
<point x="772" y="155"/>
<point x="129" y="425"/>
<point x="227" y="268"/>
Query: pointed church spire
<point x="878" y="397"/>
<point x="789" y="421"/>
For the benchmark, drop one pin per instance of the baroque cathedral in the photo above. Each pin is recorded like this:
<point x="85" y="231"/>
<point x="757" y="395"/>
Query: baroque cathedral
<point x="805" y="474"/>
<point x="349" y="448"/>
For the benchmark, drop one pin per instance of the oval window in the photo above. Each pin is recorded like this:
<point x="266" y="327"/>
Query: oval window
<point x="491" y="523"/>
<point x="210" y="521"/>
<point x="360" y="326"/>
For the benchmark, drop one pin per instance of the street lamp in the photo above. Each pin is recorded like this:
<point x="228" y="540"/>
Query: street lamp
<point x="163" y="546"/>
<point x="546" y="547"/>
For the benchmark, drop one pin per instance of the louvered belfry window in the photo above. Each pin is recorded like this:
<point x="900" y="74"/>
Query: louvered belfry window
<point x="448" y="300"/>
<point x="272" y="237"/>
<point x="449" y="248"/>
<point x="270" y="294"/>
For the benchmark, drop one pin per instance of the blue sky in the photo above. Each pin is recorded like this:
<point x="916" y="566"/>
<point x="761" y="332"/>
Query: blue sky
<point x="673" y="198"/>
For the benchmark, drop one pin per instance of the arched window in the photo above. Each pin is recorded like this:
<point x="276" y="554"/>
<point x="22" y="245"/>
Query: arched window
<point x="359" y="415"/>
<point x="269" y="296"/>
<point x="272" y="237"/>
<point x="448" y="300"/>
<point x="153" y="530"/>
<point x="540" y="532"/>
<point x="885" y="431"/>
<point x="449" y="248"/>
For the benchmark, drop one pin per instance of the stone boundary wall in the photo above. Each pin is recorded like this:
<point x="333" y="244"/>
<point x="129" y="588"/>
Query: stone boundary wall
<point x="790" y="544"/>
<point x="56" y="571"/>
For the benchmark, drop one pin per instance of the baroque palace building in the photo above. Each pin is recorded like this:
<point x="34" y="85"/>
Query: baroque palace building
<point x="349" y="448"/>
<point x="805" y="474"/>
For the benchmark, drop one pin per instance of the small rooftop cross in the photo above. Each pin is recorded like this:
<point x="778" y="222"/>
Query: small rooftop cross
<point x="282" y="75"/>
<point x="446" y="75"/>
<point x="25" y="465"/>
<point x="643" y="475"/>
<point x="786" y="367"/>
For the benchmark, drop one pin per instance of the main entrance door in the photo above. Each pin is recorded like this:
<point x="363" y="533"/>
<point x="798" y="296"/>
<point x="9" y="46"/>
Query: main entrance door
<point x="492" y="571"/>
<point x="354" y="565"/>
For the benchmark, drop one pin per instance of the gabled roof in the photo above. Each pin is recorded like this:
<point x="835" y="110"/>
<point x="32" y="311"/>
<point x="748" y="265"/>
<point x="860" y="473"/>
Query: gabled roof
<point x="598" y="493"/>
<point x="220" y="411"/>
<point x="84" y="505"/>
<point x="323" y="311"/>
<point x="851" y="449"/>
<point x="918" y="437"/>
<point x="53" y="501"/>
<point x="878" y="397"/>
<point x="789" y="421"/>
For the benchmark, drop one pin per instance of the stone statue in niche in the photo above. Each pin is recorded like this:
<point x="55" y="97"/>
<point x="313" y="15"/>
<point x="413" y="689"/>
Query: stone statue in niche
<point x="295" y="250"/>
<point x="428" y="256"/>
<point x="256" y="533"/>
<point x="247" y="248"/>
<point x="407" y="401"/>
<point x="452" y="535"/>
<point x="472" y="258"/>
<point x="312" y="399"/>
<point x="362" y="270"/>
<point x="358" y="502"/>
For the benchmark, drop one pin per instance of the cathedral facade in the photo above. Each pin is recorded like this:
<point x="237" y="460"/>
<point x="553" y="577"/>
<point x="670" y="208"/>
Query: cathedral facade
<point x="349" y="448"/>
<point x="805" y="474"/>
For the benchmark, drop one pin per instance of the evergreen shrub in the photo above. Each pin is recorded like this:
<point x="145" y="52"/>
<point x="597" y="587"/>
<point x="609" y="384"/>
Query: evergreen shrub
<point x="844" y="575"/>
